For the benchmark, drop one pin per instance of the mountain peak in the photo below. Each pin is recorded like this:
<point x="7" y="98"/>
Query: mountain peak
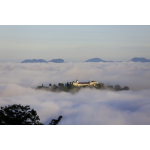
<point x="57" y="60"/>
<point x="142" y="59"/>
<point x="96" y="60"/>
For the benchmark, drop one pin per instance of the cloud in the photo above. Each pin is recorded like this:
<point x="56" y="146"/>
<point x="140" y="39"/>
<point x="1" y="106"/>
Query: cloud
<point x="88" y="106"/>
<point x="134" y="75"/>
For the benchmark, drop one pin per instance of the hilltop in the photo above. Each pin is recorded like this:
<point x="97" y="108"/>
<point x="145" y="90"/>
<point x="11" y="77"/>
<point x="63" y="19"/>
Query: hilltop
<point x="96" y="60"/>
<point x="57" y="60"/>
<point x="137" y="59"/>
<point x="69" y="87"/>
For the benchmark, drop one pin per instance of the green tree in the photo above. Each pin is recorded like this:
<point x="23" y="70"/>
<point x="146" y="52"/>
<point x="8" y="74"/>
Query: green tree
<point x="65" y="89"/>
<point x="18" y="115"/>
<point x="100" y="86"/>
<point x="125" y="88"/>
<point x="61" y="84"/>
<point x="21" y="115"/>
<point x="55" y="121"/>
<point x="68" y="84"/>
<point x="117" y="88"/>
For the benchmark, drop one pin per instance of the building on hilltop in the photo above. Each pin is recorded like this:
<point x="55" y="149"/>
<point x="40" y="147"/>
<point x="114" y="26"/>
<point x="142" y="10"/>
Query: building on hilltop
<point x="90" y="83"/>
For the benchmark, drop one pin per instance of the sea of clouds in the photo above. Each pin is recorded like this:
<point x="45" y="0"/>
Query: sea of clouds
<point x="89" y="106"/>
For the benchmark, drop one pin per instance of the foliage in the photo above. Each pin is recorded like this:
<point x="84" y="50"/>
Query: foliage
<point x="55" y="122"/>
<point x="110" y="87"/>
<point x="21" y="115"/>
<point x="61" y="84"/>
<point x="65" y="89"/>
<point x="43" y="88"/>
<point x="100" y="86"/>
<point x="125" y="88"/>
<point x="18" y="115"/>
<point x="54" y="87"/>
<point x="117" y="88"/>
<point x="70" y="86"/>
<point x="67" y="86"/>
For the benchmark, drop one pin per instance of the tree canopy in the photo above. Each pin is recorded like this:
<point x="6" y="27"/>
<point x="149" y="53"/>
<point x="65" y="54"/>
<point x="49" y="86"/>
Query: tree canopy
<point x="55" y="121"/>
<point x="18" y="115"/>
<point x="21" y="115"/>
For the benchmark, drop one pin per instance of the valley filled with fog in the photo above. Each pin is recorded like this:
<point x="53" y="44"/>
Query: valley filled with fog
<point x="18" y="84"/>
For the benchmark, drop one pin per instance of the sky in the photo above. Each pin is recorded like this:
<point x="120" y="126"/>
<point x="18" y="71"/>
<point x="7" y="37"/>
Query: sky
<point x="74" y="43"/>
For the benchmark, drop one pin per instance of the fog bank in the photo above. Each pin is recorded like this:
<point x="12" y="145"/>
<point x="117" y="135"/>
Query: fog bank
<point x="88" y="106"/>
<point x="134" y="75"/>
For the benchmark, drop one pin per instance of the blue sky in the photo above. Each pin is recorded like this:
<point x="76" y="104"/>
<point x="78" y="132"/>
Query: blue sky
<point x="74" y="43"/>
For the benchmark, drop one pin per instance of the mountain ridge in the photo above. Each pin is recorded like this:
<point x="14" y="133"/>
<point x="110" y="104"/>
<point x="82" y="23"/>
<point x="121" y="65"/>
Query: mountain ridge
<point x="34" y="61"/>
<point x="57" y="60"/>
<point x="140" y="59"/>
<point x="135" y="59"/>
<point x="97" y="60"/>
<point x="42" y="61"/>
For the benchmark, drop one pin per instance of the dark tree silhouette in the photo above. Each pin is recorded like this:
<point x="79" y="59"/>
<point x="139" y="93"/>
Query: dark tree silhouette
<point x="55" y="122"/>
<point x="68" y="84"/>
<point x="61" y="84"/>
<point x="18" y="115"/>
<point x="117" y="88"/>
<point x="125" y="88"/>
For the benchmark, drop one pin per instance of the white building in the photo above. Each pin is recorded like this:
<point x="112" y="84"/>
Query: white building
<point x="90" y="83"/>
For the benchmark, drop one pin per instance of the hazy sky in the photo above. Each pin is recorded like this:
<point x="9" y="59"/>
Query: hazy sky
<point x="74" y="43"/>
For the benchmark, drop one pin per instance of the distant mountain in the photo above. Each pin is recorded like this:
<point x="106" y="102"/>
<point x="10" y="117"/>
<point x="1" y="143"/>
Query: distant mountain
<point x="96" y="60"/>
<point x="34" y="61"/>
<point x="42" y="61"/>
<point x="57" y="61"/>
<point x="136" y="59"/>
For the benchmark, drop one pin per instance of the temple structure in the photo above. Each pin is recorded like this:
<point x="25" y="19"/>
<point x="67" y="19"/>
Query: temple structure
<point x="90" y="83"/>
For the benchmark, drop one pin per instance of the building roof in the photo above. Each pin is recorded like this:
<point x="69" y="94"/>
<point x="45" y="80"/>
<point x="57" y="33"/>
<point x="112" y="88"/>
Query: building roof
<point x="83" y="83"/>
